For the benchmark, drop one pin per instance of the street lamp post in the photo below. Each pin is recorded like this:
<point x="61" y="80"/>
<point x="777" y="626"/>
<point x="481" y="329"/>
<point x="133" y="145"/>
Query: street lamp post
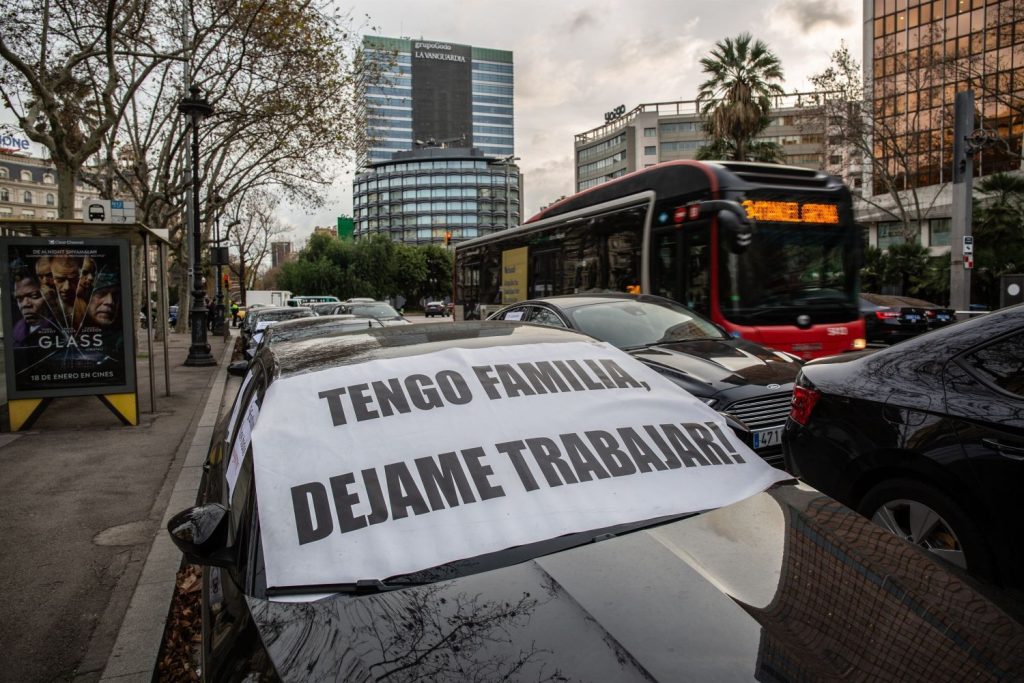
<point x="197" y="108"/>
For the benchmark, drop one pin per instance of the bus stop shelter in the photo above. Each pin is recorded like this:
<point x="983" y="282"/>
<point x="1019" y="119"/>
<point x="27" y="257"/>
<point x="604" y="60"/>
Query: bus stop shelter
<point x="29" y="247"/>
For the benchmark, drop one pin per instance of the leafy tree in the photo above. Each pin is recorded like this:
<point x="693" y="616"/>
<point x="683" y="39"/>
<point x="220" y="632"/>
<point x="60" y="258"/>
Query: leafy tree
<point x="743" y="77"/>
<point x="998" y="228"/>
<point x="375" y="267"/>
<point x="907" y="268"/>
<point x="757" y="150"/>
<point x="895" y="161"/>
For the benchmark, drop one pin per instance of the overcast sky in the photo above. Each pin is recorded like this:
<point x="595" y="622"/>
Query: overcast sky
<point x="576" y="59"/>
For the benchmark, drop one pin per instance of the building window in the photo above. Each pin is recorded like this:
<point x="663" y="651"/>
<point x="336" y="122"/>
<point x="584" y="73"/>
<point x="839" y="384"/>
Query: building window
<point x="3" y="172"/>
<point x="938" y="231"/>
<point x="26" y="197"/>
<point x="48" y="178"/>
<point x="5" y="195"/>
<point x="650" y="132"/>
<point x="28" y="214"/>
<point x="50" y="199"/>
<point x="26" y="176"/>
<point x="650" y="150"/>
<point x="890" y="233"/>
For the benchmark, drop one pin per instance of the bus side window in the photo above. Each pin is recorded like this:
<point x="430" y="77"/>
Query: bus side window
<point x="698" y="270"/>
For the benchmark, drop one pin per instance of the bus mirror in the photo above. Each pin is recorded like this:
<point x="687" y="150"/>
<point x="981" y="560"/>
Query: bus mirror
<point x="737" y="230"/>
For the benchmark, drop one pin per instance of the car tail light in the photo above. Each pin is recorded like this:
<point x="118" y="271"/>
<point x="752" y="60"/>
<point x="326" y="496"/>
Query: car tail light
<point x="802" y="404"/>
<point x="929" y="314"/>
<point x="882" y="315"/>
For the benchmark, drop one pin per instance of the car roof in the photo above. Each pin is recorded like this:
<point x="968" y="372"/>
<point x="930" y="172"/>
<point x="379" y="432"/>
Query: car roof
<point x="567" y="301"/>
<point x="952" y="339"/>
<point x="897" y="301"/>
<point x="294" y="358"/>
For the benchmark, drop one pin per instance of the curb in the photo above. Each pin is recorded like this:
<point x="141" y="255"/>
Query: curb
<point x="135" y="652"/>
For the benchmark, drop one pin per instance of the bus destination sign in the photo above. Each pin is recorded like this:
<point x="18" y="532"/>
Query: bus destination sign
<point x="791" y="212"/>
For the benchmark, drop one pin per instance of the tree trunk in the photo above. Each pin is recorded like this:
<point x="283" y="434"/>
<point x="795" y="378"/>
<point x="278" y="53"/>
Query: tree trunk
<point x="66" y="176"/>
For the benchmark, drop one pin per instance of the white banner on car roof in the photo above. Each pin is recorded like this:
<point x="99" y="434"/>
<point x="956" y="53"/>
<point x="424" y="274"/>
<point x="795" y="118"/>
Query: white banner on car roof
<point x="372" y="470"/>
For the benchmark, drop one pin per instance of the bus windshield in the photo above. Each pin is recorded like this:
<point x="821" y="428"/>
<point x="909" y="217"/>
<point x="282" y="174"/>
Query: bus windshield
<point x="804" y="267"/>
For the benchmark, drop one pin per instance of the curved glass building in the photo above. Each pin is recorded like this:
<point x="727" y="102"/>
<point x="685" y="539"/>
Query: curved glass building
<point x="436" y="195"/>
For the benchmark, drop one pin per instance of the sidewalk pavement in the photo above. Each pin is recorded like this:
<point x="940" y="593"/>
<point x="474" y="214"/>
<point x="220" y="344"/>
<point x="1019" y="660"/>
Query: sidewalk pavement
<point x="89" y="570"/>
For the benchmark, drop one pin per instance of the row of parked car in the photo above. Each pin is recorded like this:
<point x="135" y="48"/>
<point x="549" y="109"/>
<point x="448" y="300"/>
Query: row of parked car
<point x="889" y="318"/>
<point x="353" y="314"/>
<point x="924" y="438"/>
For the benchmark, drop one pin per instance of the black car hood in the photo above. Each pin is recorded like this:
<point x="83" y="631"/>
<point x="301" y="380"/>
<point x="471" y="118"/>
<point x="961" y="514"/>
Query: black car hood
<point x="787" y="584"/>
<point x="720" y="364"/>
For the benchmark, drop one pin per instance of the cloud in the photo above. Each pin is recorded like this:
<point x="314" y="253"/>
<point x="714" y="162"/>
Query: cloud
<point x="581" y="20"/>
<point x="809" y="14"/>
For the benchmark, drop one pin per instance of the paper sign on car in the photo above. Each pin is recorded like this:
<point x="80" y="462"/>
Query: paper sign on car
<point x="372" y="470"/>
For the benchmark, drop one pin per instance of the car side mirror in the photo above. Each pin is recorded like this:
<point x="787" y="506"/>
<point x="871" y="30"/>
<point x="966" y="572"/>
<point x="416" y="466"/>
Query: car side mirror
<point x="201" y="533"/>
<point x="238" y="368"/>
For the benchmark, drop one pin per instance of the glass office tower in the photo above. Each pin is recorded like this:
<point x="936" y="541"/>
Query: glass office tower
<point x="439" y="161"/>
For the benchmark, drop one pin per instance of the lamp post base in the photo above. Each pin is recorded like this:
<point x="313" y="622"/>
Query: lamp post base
<point x="199" y="353"/>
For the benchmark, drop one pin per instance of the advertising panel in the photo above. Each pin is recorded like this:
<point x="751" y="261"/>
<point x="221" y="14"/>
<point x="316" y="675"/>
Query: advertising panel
<point x="66" y="329"/>
<point x="442" y="92"/>
<point x="513" y="275"/>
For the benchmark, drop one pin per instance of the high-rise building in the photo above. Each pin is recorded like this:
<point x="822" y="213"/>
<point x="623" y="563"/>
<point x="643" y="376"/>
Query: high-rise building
<point x="669" y="131"/>
<point x="917" y="55"/>
<point x="435" y="93"/>
<point x="280" y="252"/>
<point x="440" y="154"/>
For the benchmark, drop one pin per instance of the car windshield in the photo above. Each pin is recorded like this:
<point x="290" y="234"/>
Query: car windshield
<point x="378" y="310"/>
<point x="322" y="327"/>
<point x="631" y="324"/>
<point x="370" y="475"/>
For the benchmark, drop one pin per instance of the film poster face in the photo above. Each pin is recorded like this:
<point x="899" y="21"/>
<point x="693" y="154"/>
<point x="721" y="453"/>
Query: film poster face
<point x="66" y="330"/>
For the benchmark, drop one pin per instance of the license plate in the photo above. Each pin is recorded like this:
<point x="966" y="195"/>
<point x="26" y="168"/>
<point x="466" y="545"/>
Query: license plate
<point x="913" y="318"/>
<point x="942" y="317"/>
<point x="767" y="438"/>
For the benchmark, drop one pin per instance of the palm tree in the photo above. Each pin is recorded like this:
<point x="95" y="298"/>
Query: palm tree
<point x="744" y="75"/>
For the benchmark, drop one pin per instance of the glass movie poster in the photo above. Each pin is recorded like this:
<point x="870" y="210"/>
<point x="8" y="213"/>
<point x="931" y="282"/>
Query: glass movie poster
<point x="67" y="325"/>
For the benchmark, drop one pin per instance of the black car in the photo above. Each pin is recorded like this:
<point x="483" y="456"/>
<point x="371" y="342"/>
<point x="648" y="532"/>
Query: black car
<point x="433" y="308"/>
<point x="735" y="376"/>
<point x="926" y="438"/>
<point x="259" y="319"/>
<point x="779" y="585"/>
<point x="891" y="318"/>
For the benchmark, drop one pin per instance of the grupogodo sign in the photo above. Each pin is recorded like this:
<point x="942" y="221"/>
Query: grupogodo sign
<point x="383" y="468"/>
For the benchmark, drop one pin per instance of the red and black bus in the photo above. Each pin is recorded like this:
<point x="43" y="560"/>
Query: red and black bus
<point x="771" y="253"/>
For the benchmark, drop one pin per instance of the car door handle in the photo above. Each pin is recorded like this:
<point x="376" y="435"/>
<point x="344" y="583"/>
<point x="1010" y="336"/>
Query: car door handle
<point x="1012" y="452"/>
